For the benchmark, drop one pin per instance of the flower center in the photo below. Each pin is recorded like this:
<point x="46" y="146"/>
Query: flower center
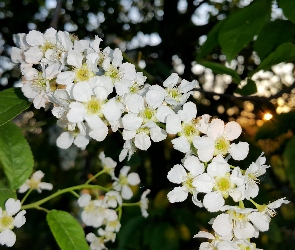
<point x="90" y="207"/>
<point x="47" y="45"/>
<point x="6" y="221"/>
<point x="223" y="184"/>
<point x="174" y="93"/>
<point x="188" y="183"/>
<point x="83" y="74"/>
<point x="221" y="146"/>
<point x="113" y="73"/>
<point x="34" y="183"/>
<point x="93" y="106"/>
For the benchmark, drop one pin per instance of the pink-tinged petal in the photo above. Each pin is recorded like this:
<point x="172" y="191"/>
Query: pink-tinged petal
<point x="177" y="174"/>
<point x="65" y="140"/>
<point x="178" y="194"/>
<point x="222" y="225"/>
<point x="213" y="202"/>
<point x="232" y="130"/>
<point x="215" y="129"/>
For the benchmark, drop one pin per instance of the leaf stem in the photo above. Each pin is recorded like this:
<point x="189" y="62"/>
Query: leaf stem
<point x="26" y="196"/>
<point x="93" y="177"/>
<point x="62" y="191"/>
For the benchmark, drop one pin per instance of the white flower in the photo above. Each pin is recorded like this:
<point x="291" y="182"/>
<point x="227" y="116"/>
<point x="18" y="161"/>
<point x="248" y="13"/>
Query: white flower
<point x="113" y="199"/>
<point x="96" y="243"/>
<point x="35" y="183"/>
<point x="262" y="218"/>
<point x="125" y="181"/>
<point x="179" y="175"/>
<point x="217" y="141"/>
<point x="108" y="164"/>
<point x="144" y="203"/>
<point x="8" y="222"/>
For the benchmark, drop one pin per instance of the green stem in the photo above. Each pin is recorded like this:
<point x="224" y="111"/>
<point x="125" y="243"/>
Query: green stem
<point x="75" y="194"/>
<point x="62" y="191"/>
<point x="131" y="204"/>
<point x="26" y="196"/>
<point x="94" y="177"/>
<point x="42" y="209"/>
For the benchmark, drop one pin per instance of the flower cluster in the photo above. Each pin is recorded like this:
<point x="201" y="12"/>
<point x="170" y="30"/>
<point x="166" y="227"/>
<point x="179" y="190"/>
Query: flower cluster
<point x="92" y="90"/>
<point x="105" y="211"/>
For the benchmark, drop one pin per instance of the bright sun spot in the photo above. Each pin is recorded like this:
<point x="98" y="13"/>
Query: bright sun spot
<point x="267" y="116"/>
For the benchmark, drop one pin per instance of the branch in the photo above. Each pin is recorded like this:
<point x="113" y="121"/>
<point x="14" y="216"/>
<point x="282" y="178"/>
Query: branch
<point x="56" y="15"/>
<point x="249" y="98"/>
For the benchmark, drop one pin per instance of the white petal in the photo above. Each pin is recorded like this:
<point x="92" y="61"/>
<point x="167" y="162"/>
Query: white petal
<point x="181" y="144"/>
<point x="35" y="38"/>
<point x="163" y="112"/>
<point x="205" y="147"/>
<point x="178" y="194"/>
<point x="158" y="134"/>
<point x="215" y="129"/>
<point x="81" y="141"/>
<point x="203" y="234"/>
<point x="131" y="121"/>
<point x="232" y="130"/>
<point x="173" y="124"/>
<point x="126" y="192"/>
<point x="188" y="112"/>
<point x="171" y="81"/>
<point x="112" y="110"/>
<point x="75" y="58"/>
<point x="7" y="237"/>
<point x="133" y="179"/>
<point x="135" y="103"/>
<point x="204" y="183"/>
<point x="84" y="199"/>
<point x="261" y="221"/>
<point x="65" y="140"/>
<point x="12" y="206"/>
<point x="142" y="141"/>
<point x="155" y="96"/>
<point x="19" y="219"/>
<point x="33" y="55"/>
<point x="213" y="202"/>
<point x="45" y="185"/>
<point x="82" y="92"/>
<point x="177" y="174"/>
<point x="239" y="151"/>
<point x="218" y="167"/>
<point x="222" y="225"/>
<point x="193" y="165"/>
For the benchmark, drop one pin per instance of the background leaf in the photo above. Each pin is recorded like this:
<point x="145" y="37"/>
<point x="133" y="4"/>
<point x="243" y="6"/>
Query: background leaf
<point x="15" y="155"/>
<point x="289" y="161"/>
<point x="284" y="53"/>
<point x="240" y="27"/>
<point x="288" y="7"/>
<point x="275" y="33"/>
<point x="221" y="69"/>
<point x="5" y="194"/>
<point x="12" y="103"/>
<point x="249" y="89"/>
<point x="67" y="231"/>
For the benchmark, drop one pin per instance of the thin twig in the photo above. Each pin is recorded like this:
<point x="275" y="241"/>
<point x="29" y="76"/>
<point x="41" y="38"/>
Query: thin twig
<point x="56" y="14"/>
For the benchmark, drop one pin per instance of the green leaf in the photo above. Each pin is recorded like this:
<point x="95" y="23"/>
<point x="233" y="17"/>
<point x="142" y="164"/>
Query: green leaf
<point x="249" y="89"/>
<point x="13" y="102"/>
<point x="289" y="161"/>
<point x="5" y="194"/>
<point x="66" y="230"/>
<point x="221" y="69"/>
<point x="211" y="41"/>
<point x="15" y="155"/>
<point x="278" y="125"/>
<point x="272" y="35"/>
<point x="240" y="27"/>
<point x="288" y="7"/>
<point x="285" y="52"/>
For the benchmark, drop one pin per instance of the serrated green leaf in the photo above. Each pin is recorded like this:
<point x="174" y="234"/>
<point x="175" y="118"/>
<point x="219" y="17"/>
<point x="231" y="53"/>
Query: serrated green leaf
<point x="5" y="194"/>
<point x="66" y="230"/>
<point x="278" y="125"/>
<point x="285" y="52"/>
<point x="240" y="27"/>
<point x="249" y="89"/>
<point x="12" y="103"/>
<point x="288" y="7"/>
<point x="211" y="41"/>
<point x="15" y="155"/>
<point x="289" y="161"/>
<point x="272" y="35"/>
<point x="221" y="69"/>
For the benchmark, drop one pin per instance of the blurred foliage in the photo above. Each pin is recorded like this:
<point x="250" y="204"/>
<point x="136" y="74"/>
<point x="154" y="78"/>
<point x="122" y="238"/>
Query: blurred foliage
<point x="163" y="37"/>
